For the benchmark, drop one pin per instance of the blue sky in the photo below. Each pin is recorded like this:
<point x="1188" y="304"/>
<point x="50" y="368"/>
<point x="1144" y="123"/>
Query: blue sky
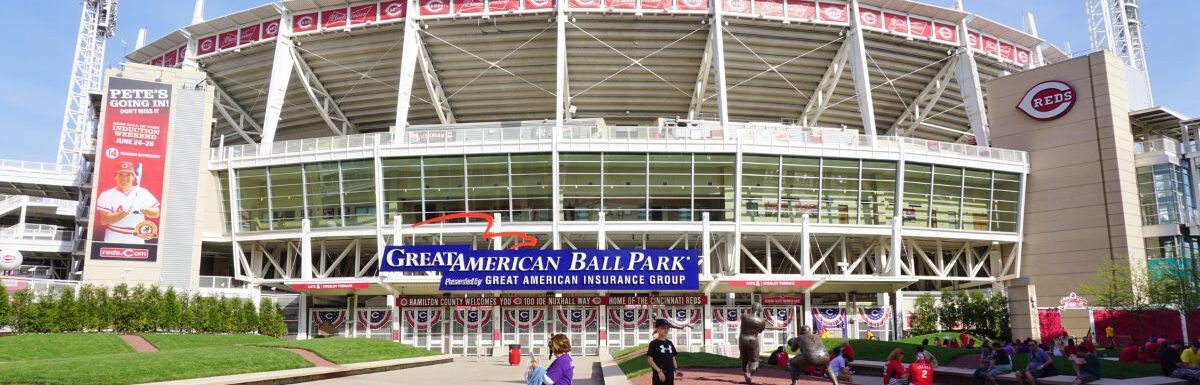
<point x="34" y="78"/>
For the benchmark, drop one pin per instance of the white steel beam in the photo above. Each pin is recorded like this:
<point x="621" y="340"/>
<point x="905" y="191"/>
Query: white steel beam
<point x="433" y="83"/>
<point x="234" y="114"/>
<point x="281" y="75"/>
<point x="916" y="112"/>
<point x="408" y="68"/>
<point x="717" y="30"/>
<point x="967" y="74"/>
<point x="820" y="97"/>
<point x="862" y="80"/>
<point x="560" y="108"/>
<point x="701" y="80"/>
<point x="326" y="104"/>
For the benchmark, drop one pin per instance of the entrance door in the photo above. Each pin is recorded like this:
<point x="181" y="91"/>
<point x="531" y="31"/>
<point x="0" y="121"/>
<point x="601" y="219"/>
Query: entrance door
<point x="423" y="327"/>
<point x="525" y="326"/>
<point x="375" y="323"/>
<point x="628" y="327"/>
<point x="686" y="340"/>
<point x="581" y="325"/>
<point x="471" y="331"/>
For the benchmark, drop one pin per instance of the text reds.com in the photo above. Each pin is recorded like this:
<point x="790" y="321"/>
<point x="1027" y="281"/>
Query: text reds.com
<point x="121" y="252"/>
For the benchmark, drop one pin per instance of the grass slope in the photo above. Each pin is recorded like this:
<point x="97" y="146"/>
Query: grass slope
<point x="937" y="337"/>
<point x="1108" y="369"/>
<point x="635" y="364"/>
<point x="879" y="350"/>
<point x="43" y="346"/>
<point x="189" y="341"/>
<point x="134" y="368"/>
<point x="346" y="350"/>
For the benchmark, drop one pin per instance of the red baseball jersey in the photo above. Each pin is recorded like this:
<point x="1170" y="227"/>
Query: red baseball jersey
<point x="920" y="373"/>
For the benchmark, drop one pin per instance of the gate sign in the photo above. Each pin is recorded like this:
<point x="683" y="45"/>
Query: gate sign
<point x="1073" y="301"/>
<point x="1048" y="100"/>
<point x="464" y="269"/>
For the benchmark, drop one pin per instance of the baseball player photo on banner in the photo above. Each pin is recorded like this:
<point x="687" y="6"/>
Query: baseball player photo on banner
<point x="129" y="170"/>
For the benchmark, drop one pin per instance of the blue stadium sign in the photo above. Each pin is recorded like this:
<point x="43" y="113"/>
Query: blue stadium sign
<point x="464" y="269"/>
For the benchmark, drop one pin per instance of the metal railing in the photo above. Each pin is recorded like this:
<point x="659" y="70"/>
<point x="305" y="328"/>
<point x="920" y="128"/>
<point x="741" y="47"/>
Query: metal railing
<point x="26" y="165"/>
<point x="1157" y="144"/>
<point x="35" y="232"/>
<point x="216" y="282"/>
<point x="596" y="131"/>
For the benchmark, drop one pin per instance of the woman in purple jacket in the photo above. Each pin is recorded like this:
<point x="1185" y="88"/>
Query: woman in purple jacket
<point x="561" y="370"/>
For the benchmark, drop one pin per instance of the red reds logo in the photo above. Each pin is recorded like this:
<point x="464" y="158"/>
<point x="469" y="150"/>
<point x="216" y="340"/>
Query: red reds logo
<point x="1048" y="100"/>
<point x="206" y="45"/>
<point x="541" y="3"/>
<point x="271" y="29"/>
<point x="738" y="5"/>
<point x="945" y="32"/>
<point x="305" y="21"/>
<point x="833" y="12"/>
<point x="1023" y="57"/>
<point x="869" y="19"/>
<point x="693" y="3"/>
<point x="394" y="9"/>
<point x="435" y="6"/>
<point x="8" y="258"/>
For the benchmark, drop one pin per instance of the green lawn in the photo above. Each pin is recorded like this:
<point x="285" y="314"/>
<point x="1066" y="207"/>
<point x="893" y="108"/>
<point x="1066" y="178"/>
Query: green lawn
<point x="1108" y="369"/>
<point x="133" y="368"/>
<point x="635" y="364"/>
<point x="346" y="350"/>
<point x="626" y="351"/>
<point x="42" y="346"/>
<point x="934" y="337"/>
<point x="189" y="341"/>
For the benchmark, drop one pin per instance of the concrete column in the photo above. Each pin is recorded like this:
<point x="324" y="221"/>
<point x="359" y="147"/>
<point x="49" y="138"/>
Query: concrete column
<point x="717" y="29"/>
<point x="394" y="315"/>
<point x="705" y="244"/>
<point x="601" y="236"/>
<point x="859" y="70"/>
<point x="408" y="68"/>
<point x="306" y="267"/>
<point x="898" y="317"/>
<point x="352" y="315"/>
<point x="281" y="75"/>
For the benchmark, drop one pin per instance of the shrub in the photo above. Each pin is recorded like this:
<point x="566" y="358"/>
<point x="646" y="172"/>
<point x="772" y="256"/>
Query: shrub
<point x="6" y="317"/>
<point x="69" y="316"/>
<point x="270" y="319"/>
<point x="249" y="317"/>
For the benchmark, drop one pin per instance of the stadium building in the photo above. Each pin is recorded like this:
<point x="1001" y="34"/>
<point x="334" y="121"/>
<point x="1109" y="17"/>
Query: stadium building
<point x="830" y="159"/>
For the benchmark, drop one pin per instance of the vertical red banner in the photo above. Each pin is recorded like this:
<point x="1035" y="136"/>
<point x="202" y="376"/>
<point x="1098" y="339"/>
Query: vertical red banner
<point x="870" y="18"/>
<point x="391" y="10"/>
<point x="206" y="45"/>
<point x="832" y="12"/>
<point x="270" y="29"/>
<point x="304" y="23"/>
<point x="945" y="32"/>
<point x="130" y="166"/>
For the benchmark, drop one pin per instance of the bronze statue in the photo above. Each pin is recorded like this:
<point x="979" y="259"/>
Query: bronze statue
<point x="810" y="353"/>
<point x="749" y="346"/>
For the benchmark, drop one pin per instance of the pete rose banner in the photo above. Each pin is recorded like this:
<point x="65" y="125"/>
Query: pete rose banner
<point x="129" y="170"/>
<point x="464" y="269"/>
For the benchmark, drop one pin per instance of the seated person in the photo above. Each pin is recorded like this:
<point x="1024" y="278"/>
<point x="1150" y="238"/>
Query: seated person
<point x="1087" y="366"/>
<point x="779" y="358"/>
<point x="1128" y="354"/>
<point x="1172" y="366"/>
<point x="838" y="365"/>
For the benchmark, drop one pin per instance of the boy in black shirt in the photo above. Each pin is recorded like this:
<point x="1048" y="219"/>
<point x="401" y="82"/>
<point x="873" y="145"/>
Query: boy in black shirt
<point x="661" y="355"/>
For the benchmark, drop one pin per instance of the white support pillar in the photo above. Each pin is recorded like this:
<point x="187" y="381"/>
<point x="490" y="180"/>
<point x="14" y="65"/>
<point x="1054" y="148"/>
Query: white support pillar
<point x="717" y="29"/>
<point x="306" y="267"/>
<point x="1031" y="28"/>
<point x="281" y="75"/>
<point x="408" y="69"/>
<point x="897" y="218"/>
<point x="380" y="217"/>
<point x="198" y="12"/>
<point x="497" y="243"/>
<point x="351" y="313"/>
<point x="560" y="101"/>
<point x="859" y="71"/>
<point x="395" y="317"/>
<point x="967" y="73"/>
<point x="805" y="246"/>
<point x="808" y="311"/>
<point x="895" y="253"/>
<point x="397" y="231"/>
<point x="255" y="295"/>
<point x="706" y="245"/>
<point x="898" y="317"/>
<point x="189" y="55"/>
<point x="21" y="219"/>
<point x="601" y="236"/>
<point x="302" y="318"/>
<point x="735" y="241"/>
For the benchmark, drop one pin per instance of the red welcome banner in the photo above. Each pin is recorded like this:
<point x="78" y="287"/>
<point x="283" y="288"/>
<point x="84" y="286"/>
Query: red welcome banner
<point x="129" y="170"/>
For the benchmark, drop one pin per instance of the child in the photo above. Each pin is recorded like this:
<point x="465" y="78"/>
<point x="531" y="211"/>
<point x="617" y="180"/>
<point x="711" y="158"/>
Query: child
<point x="661" y="356"/>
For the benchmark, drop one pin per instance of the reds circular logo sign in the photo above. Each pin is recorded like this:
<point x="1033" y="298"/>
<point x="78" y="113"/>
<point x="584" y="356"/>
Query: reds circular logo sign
<point x="393" y="9"/>
<point x="945" y="33"/>
<point x="833" y="13"/>
<point x="272" y="29"/>
<point x="206" y="45"/>
<point x="869" y="19"/>
<point x="435" y="6"/>
<point x="305" y="21"/>
<point x="1048" y="100"/>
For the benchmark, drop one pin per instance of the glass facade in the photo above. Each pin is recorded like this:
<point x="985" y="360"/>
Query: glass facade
<point x="1164" y="192"/>
<point x="626" y="187"/>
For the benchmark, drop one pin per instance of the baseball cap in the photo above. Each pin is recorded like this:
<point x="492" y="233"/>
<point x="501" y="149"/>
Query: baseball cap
<point x="661" y="323"/>
<point x="124" y="167"/>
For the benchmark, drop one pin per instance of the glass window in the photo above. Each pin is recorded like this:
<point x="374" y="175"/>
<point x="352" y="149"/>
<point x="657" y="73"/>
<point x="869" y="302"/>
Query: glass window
<point x="947" y="197"/>
<point x="760" y="188"/>
<point x="324" y="194"/>
<point x="487" y="182"/>
<point x="839" y="189"/>
<point x="625" y="187"/>
<point x="713" y="187"/>
<point x="444" y="186"/>
<point x="977" y="189"/>
<point x="531" y="187"/>
<point x="801" y="183"/>
<point x="670" y="187"/>
<point x="252" y="199"/>
<point x="579" y="178"/>
<point x="358" y="189"/>
<point x="287" y="197"/>
<point x="402" y="190"/>
<point x="917" y="178"/>
<point x="1005" y="197"/>
<point x="223" y="189"/>
<point x="878" y="197"/>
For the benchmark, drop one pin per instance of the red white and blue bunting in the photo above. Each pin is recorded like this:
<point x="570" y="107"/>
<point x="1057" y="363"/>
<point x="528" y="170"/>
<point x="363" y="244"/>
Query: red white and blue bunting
<point x="780" y="316"/>
<point x="374" y="319"/>
<point x="875" y="317"/>
<point x="627" y="318"/>
<point x="830" y="317"/>
<point x="686" y="315"/>
<point x="727" y="314"/>
<point x="332" y="318"/>
<point x="524" y="319"/>
<point x="422" y="319"/>
<point x="577" y="318"/>
<point x="472" y="319"/>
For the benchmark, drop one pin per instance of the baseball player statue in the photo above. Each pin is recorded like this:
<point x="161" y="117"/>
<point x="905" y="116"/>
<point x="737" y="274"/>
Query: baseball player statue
<point x="749" y="347"/>
<point x="123" y="209"/>
<point x="810" y="353"/>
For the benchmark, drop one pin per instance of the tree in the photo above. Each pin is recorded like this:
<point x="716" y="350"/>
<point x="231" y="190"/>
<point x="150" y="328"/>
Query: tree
<point x="270" y="319"/>
<point x="6" y="311"/>
<point x="118" y="309"/>
<point x="68" y="316"/>
<point x="924" y="314"/>
<point x="1173" y="283"/>
<point x="249" y="317"/>
<point x="1113" y="286"/>
<point x="950" y="311"/>
<point x="168" y="311"/>
<point x="999" y="317"/>
<point x="21" y="301"/>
